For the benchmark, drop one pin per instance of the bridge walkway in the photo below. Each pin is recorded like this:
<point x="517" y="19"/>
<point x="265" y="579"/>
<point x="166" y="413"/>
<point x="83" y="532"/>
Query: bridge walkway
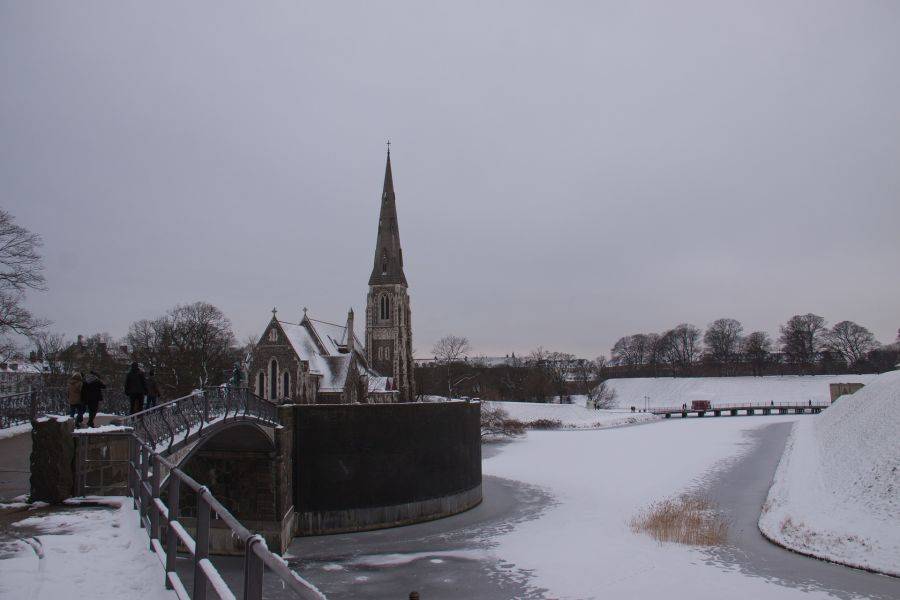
<point x="745" y="409"/>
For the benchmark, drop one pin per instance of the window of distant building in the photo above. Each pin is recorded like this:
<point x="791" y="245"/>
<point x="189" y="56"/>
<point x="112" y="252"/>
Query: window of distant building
<point x="385" y="308"/>
<point x="273" y="380"/>
<point x="273" y="335"/>
<point x="286" y="386"/>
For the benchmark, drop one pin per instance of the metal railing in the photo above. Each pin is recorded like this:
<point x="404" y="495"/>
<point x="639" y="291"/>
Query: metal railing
<point x="24" y="407"/>
<point x="172" y="423"/>
<point x="740" y="406"/>
<point x="166" y="532"/>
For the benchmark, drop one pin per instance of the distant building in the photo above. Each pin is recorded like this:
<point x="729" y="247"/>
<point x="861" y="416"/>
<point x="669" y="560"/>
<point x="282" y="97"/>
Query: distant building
<point x="20" y="375"/>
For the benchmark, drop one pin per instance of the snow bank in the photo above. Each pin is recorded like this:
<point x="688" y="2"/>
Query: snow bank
<point x="675" y="391"/>
<point x="571" y="416"/>
<point x="82" y="553"/>
<point x="836" y="494"/>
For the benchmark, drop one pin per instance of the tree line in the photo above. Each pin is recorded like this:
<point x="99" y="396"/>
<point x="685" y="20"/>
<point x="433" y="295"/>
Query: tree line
<point x="540" y="376"/>
<point x="805" y="345"/>
<point x="190" y="346"/>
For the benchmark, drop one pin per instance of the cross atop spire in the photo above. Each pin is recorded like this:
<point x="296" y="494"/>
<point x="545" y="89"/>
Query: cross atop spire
<point x="388" y="264"/>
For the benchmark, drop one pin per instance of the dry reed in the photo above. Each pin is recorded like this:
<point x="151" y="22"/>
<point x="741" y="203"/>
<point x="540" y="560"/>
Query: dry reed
<point x="692" y="520"/>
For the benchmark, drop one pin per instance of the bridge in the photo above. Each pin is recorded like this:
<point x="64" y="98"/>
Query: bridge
<point x="743" y="408"/>
<point x="163" y="446"/>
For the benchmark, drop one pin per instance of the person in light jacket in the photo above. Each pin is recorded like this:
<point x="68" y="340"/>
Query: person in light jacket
<point x="73" y="393"/>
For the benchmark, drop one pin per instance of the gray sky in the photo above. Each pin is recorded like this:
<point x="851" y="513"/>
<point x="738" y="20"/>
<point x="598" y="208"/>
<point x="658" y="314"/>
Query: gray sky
<point x="566" y="173"/>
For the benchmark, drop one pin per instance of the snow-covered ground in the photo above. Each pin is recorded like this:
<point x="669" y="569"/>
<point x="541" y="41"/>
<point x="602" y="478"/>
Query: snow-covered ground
<point x="836" y="493"/>
<point x="583" y="547"/>
<point x="572" y="416"/>
<point x="97" y="553"/>
<point x="675" y="391"/>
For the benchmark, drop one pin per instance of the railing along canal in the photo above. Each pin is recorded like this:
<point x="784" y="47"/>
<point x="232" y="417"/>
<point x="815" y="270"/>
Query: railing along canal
<point x="161" y="426"/>
<point x="171" y="423"/>
<point x="24" y="407"/>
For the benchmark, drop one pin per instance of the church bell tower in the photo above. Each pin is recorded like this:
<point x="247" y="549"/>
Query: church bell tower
<point x="388" y="319"/>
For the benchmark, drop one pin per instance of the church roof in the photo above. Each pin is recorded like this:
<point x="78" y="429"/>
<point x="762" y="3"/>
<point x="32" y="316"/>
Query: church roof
<point x="388" y="263"/>
<point x="319" y="343"/>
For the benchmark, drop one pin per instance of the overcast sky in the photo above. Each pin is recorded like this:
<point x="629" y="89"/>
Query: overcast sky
<point x="566" y="173"/>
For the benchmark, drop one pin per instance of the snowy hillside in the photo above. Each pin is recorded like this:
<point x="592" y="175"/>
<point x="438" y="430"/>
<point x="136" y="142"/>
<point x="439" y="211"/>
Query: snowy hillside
<point x="675" y="391"/>
<point x="836" y="493"/>
<point x="571" y="416"/>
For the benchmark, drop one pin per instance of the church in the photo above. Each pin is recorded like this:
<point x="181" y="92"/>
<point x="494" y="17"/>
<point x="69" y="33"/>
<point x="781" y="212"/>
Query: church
<point x="319" y="362"/>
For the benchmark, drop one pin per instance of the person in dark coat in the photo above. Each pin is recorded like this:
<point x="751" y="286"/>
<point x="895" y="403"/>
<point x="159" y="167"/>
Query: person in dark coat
<point x="135" y="388"/>
<point x="236" y="376"/>
<point x="92" y="395"/>
<point x="152" y="390"/>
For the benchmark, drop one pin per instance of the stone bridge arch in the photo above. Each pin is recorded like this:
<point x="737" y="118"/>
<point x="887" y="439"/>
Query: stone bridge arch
<point x="247" y="465"/>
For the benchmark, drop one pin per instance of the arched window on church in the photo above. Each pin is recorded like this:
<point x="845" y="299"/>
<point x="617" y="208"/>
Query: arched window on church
<point x="286" y="386"/>
<point x="384" y="261"/>
<point x="261" y="385"/>
<point x="385" y="308"/>
<point x="273" y="380"/>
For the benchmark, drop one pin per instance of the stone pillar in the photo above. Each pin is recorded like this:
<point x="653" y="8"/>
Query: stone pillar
<point x="52" y="459"/>
<point x="284" y="473"/>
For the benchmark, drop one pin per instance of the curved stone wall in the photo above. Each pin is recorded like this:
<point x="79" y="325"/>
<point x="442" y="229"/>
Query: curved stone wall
<point x="363" y="466"/>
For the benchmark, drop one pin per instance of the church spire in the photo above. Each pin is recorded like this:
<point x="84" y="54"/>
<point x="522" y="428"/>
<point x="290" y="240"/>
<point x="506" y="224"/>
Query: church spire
<point x="388" y="265"/>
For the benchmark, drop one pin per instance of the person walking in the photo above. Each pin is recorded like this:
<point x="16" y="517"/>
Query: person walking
<point x="135" y="388"/>
<point x="73" y="393"/>
<point x="92" y="395"/>
<point x="236" y="377"/>
<point x="152" y="390"/>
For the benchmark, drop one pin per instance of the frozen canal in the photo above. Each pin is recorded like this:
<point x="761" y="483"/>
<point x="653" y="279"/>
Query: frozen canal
<point x="554" y="524"/>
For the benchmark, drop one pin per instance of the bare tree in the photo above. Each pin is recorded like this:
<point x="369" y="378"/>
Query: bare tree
<point x="723" y="341"/>
<point x="757" y="347"/>
<point x="853" y="342"/>
<point x="21" y="270"/>
<point x="802" y="339"/>
<point x="602" y="396"/>
<point x="632" y="350"/>
<point x="191" y="346"/>
<point x="49" y="347"/>
<point x="559" y="367"/>
<point x="681" y="347"/>
<point x="449" y="351"/>
<point x="495" y="422"/>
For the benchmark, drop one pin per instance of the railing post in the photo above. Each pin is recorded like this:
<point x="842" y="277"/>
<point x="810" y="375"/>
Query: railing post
<point x="201" y="540"/>
<point x="145" y="476"/>
<point x="253" y="569"/>
<point x="154" y="509"/>
<point x="32" y="404"/>
<point x="171" y="536"/>
<point x="132" y="470"/>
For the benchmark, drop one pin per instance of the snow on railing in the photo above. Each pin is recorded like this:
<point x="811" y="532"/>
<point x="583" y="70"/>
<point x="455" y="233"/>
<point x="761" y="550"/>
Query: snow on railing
<point x="145" y="478"/>
<point x="172" y="423"/>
